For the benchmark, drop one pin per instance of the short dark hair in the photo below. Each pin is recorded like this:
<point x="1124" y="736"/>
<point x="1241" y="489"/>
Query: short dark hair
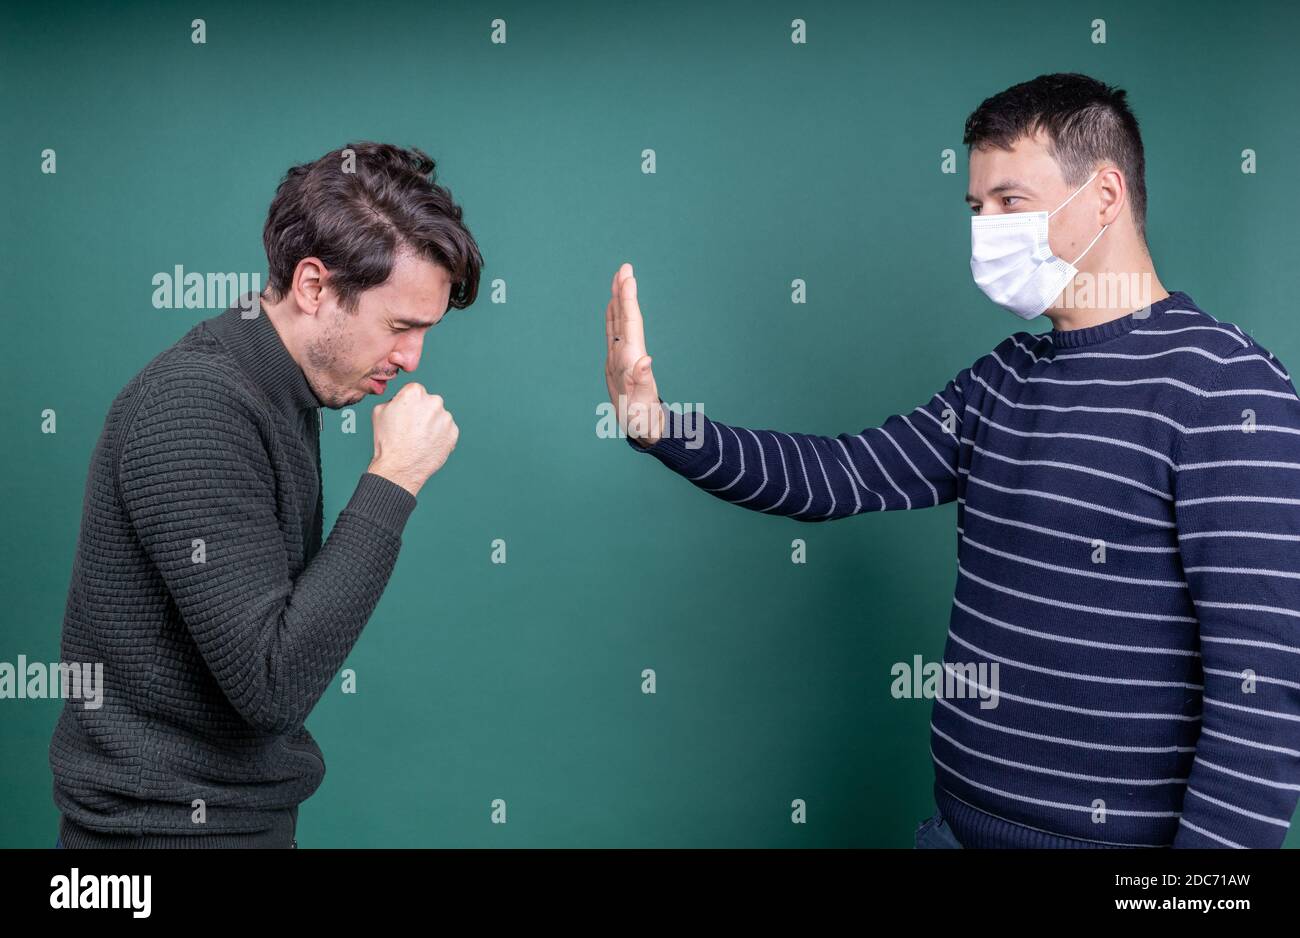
<point x="357" y="221"/>
<point x="1086" y="121"/>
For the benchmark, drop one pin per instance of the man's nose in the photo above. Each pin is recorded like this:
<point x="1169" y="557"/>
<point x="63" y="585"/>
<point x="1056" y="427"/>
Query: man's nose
<point x="407" y="354"/>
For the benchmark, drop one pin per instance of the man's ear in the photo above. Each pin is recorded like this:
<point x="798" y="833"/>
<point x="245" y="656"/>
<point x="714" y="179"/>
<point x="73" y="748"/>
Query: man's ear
<point x="309" y="284"/>
<point x="1113" y="192"/>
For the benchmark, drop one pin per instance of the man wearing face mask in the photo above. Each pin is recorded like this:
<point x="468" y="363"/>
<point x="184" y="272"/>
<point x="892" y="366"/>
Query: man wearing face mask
<point x="1128" y="501"/>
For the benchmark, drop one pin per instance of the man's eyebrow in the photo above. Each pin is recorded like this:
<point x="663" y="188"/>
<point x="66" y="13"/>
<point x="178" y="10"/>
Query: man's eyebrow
<point x="403" y="321"/>
<point x="1003" y="186"/>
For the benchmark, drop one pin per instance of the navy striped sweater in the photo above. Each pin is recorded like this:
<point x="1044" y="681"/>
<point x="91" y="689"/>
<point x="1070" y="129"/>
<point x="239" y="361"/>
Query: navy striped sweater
<point x="1128" y="513"/>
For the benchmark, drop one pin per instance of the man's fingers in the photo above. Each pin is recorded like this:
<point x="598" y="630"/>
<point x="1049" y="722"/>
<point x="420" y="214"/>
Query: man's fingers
<point x="627" y="323"/>
<point x="628" y="305"/>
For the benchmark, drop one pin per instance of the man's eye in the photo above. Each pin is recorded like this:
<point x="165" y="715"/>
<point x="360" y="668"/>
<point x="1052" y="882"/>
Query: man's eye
<point x="1007" y="199"/>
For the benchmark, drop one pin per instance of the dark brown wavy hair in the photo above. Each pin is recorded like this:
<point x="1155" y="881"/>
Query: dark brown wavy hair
<point x="356" y="222"/>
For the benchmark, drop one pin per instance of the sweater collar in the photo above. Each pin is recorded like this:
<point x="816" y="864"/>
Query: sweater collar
<point x="257" y="347"/>
<point x="1090" y="335"/>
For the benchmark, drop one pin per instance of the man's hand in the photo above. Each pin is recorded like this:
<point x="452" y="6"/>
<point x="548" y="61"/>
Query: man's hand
<point x="414" y="435"/>
<point x="631" y="383"/>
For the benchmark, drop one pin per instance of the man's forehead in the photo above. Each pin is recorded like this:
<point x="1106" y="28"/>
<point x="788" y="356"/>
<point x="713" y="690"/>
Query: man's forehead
<point x="412" y="314"/>
<point x="415" y="294"/>
<point x="1027" y="166"/>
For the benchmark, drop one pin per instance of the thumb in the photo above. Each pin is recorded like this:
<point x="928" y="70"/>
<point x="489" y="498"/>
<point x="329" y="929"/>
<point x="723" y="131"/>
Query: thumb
<point x="641" y="371"/>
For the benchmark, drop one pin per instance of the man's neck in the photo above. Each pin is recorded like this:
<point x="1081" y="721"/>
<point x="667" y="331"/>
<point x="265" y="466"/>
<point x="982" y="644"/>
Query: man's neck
<point x="1124" y="284"/>
<point x="279" y="315"/>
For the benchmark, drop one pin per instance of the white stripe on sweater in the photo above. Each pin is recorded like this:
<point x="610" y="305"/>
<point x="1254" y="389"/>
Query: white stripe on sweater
<point x="1089" y="643"/>
<point x="1060" y="740"/>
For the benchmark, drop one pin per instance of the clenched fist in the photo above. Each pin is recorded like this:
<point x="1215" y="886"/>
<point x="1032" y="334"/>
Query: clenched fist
<point x="414" y="435"/>
<point x="631" y="383"/>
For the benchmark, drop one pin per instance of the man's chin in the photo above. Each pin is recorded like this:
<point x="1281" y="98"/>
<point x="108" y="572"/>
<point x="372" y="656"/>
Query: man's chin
<point x="338" y="403"/>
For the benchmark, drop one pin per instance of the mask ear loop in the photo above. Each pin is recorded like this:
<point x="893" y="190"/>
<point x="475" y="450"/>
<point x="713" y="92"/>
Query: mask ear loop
<point x="1073" y="194"/>
<point x="1090" y="244"/>
<point x="1067" y="202"/>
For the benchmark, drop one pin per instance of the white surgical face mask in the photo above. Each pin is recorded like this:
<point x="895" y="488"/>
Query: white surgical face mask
<point x="1013" y="262"/>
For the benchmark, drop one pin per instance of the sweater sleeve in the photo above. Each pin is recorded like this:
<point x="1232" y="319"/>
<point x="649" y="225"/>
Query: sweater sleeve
<point x="909" y="461"/>
<point x="193" y="467"/>
<point x="1237" y="510"/>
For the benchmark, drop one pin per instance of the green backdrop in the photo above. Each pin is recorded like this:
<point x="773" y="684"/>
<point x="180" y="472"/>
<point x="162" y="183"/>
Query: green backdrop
<point x="775" y="161"/>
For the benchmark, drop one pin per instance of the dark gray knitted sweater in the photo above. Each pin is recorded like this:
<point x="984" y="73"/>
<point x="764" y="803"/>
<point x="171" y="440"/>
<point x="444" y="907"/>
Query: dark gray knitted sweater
<point x="201" y="585"/>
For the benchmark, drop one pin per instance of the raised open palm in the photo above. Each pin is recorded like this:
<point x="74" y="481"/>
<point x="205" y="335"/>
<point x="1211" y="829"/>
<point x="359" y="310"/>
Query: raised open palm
<point x="631" y="383"/>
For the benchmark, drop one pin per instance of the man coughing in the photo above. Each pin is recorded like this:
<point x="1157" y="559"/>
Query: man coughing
<point x="200" y="580"/>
